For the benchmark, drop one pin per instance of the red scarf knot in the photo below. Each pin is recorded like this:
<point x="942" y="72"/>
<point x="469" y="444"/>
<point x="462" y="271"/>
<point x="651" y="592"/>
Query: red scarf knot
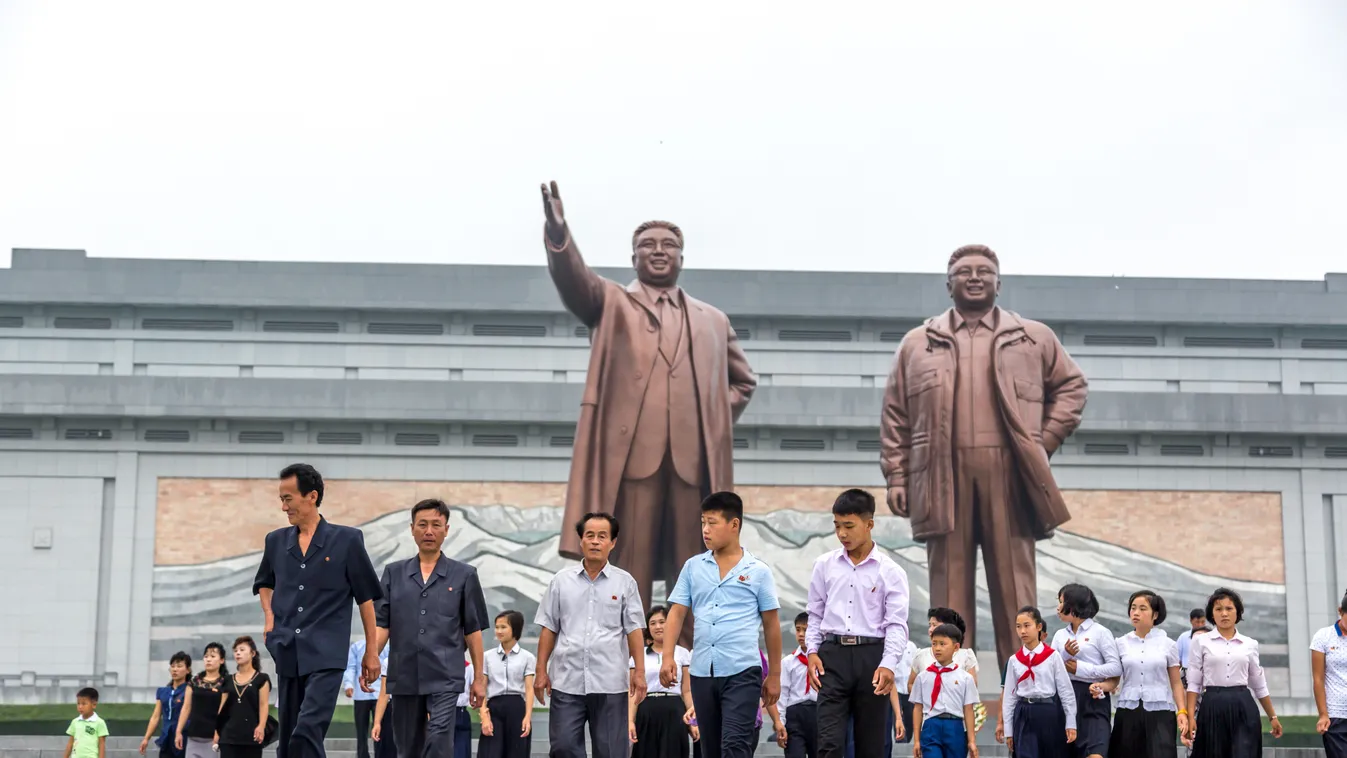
<point x="1030" y="663"/>
<point x="934" y="668"/>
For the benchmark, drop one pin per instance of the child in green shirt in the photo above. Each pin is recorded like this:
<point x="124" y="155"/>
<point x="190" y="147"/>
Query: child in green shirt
<point x="88" y="733"/>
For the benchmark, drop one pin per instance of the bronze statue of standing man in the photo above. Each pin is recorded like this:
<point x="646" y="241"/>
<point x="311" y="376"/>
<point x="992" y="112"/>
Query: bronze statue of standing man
<point x="667" y="379"/>
<point x="977" y="401"/>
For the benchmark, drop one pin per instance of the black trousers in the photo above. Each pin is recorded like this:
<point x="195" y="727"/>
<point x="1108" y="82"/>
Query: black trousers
<point x="802" y="730"/>
<point x="727" y="711"/>
<point x="364" y="717"/>
<point x="305" y="705"/>
<point x="423" y="725"/>
<point x="240" y="751"/>
<point x="1335" y="739"/>
<point x="905" y="705"/>
<point x="507" y="721"/>
<point x="847" y="692"/>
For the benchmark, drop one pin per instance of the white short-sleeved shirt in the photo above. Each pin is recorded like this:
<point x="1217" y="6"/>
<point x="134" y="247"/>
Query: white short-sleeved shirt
<point x="468" y="674"/>
<point x="1331" y="642"/>
<point x="904" y="666"/>
<point x="965" y="659"/>
<point x="653" y="660"/>
<point x="505" y="672"/>
<point x="1145" y="671"/>
<point x="957" y="689"/>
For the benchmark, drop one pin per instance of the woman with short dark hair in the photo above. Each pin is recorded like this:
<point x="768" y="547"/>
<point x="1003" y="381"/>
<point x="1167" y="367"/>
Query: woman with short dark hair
<point x="1328" y="662"/>
<point x="1091" y="656"/>
<point x="656" y="724"/>
<point x="507" y="714"/>
<point x="1150" y="710"/>
<point x="1225" y="672"/>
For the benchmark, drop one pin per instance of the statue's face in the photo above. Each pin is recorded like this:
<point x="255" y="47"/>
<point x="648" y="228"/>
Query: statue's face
<point x="658" y="257"/>
<point x="973" y="282"/>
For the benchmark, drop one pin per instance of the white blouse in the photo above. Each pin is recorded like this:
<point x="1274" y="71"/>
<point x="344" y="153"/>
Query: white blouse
<point x="653" y="660"/>
<point x="1145" y="671"/>
<point x="1097" y="658"/>
<point x="1049" y="679"/>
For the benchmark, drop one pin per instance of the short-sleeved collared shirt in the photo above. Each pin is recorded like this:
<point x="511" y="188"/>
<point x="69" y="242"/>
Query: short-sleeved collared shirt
<point x="86" y="733"/>
<point x="957" y="689"/>
<point x="428" y="621"/>
<point x="312" y="594"/>
<point x="591" y="619"/>
<point x="170" y="708"/>
<point x="654" y="659"/>
<point x="727" y="611"/>
<point x="1145" y="671"/>
<point x="505" y="672"/>
<point x="1331" y="642"/>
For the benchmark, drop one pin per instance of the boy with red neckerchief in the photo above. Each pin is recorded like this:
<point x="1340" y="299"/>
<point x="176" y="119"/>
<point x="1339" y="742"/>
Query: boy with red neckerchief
<point x="1038" y="705"/>
<point x="943" y="697"/>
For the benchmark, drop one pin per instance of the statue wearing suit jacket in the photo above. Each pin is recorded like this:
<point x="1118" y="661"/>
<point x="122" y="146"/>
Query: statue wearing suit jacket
<point x="666" y="381"/>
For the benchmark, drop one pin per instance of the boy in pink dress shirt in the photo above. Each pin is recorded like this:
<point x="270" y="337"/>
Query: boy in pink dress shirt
<point x="857" y="631"/>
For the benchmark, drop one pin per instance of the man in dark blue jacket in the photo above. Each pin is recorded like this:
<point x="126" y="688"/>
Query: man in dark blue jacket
<point x="310" y="573"/>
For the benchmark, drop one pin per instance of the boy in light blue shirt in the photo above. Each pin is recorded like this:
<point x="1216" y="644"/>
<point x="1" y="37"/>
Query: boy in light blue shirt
<point x="729" y="593"/>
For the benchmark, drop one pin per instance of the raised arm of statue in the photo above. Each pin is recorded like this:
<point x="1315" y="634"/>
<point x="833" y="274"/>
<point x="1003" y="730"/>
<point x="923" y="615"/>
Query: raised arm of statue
<point x="581" y="289"/>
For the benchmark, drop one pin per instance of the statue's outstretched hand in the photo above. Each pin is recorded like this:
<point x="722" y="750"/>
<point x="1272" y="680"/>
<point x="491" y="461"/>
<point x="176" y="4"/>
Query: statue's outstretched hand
<point x="897" y="498"/>
<point x="556" y="217"/>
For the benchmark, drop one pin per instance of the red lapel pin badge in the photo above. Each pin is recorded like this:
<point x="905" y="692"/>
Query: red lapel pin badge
<point x="743" y="578"/>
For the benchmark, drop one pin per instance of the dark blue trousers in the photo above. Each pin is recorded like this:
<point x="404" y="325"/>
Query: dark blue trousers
<point x="463" y="734"/>
<point x="305" y="705"/>
<point x="727" y="709"/>
<point x="943" y="738"/>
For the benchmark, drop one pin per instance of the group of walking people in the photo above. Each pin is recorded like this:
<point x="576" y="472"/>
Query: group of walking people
<point x="214" y="711"/>
<point x="616" y="679"/>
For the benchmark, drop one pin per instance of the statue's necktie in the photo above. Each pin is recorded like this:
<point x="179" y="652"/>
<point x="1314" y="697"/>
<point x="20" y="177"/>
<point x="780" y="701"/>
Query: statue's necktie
<point x="668" y="327"/>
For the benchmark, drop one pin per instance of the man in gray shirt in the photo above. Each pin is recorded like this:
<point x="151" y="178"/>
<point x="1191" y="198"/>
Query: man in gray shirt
<point x="585" y="614"/>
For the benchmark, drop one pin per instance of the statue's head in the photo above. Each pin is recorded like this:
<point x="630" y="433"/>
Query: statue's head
<point x="973" y="277"/>
<point x="657" y="253"/>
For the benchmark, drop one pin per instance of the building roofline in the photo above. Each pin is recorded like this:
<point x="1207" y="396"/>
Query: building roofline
<point x="71" y="277"/>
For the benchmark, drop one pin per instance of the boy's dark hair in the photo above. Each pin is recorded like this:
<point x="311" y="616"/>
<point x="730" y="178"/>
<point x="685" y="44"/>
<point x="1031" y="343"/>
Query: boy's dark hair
<point x="1201" y="613"/>
<point x="948" y="616"/>
<point x="183" y="658"/>
<point x="1032" y="612"/>
<point x="854" y="502"/>
<point x="516" y="621"/>
<point x="87" y="693"/>
<point x="949" y="632"/>
<point x="1342" y="607"/>
<point x="588" y="517"/>
<point x="431" y="504"/>
<point x="1157" y="604"/>
<point x="1225" y="593"/>
<point x="727" y="504"/>
<point x="802" y="618"/>
<point x="307" y="479"/>
<point x="1079" y="601"/>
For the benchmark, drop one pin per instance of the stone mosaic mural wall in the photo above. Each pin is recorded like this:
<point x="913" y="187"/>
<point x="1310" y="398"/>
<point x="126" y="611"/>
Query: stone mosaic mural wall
<point x="1118" y="541"/>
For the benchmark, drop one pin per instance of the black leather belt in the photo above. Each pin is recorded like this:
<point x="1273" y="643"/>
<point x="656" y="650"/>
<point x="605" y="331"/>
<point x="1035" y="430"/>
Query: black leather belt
<point x="661" y="694"/>
<point x="1040" y="700"/>
<point x="851" y="639"/>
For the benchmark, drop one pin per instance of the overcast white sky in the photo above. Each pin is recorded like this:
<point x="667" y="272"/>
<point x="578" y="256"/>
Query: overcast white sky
<point x="1142" y="138"/>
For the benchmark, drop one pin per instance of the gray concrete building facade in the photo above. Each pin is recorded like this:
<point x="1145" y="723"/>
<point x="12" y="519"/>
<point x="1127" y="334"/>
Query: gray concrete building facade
<point x="146" y="406"/>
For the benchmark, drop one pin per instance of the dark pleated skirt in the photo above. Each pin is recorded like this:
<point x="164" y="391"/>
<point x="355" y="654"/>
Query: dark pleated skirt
<point x="1139" y="733"/>
<point x="1228" y="725"/>
<point x="1040" y="730"/>
<point x="660" y="731"/>
<point x="1092" y="722"/>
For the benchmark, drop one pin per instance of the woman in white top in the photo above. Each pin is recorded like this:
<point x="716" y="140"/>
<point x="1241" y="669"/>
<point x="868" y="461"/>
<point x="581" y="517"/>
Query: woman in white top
<point x="657" y="726"/>
<point x="1328" y="661"/>
<point x="1038" y="705"/>
<point x="1150" y="694"/>
<point x="1091" y="657"/>
<point x="507" y="714"/>
<point x="1224" y="670"/>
